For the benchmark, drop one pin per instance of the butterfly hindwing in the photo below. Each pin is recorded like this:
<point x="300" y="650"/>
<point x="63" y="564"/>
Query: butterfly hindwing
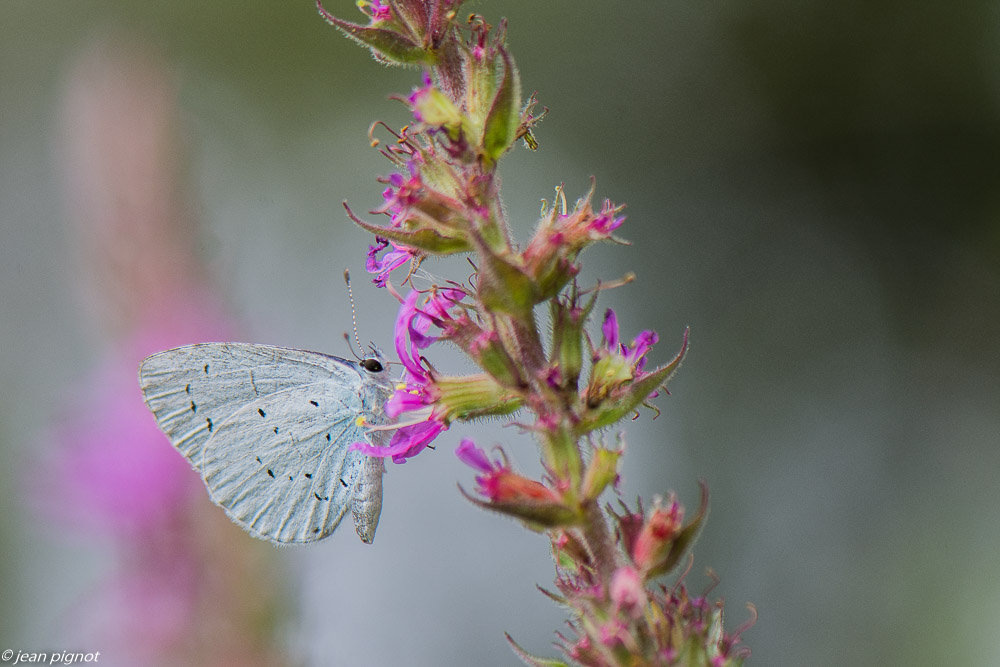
<point x="280" y="465"/>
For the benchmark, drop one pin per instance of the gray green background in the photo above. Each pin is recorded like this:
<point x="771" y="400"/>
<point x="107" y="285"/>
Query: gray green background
<point x="811" y="186"/>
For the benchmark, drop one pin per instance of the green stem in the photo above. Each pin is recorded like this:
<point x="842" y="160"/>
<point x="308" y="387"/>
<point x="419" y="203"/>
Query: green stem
<point x="599" y="540"/>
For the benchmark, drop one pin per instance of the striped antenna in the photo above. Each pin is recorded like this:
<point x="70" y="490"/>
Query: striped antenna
<point x="354" y="319"/>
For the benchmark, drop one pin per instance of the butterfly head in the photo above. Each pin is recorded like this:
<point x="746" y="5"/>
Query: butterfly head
<point x="372" y="365"/>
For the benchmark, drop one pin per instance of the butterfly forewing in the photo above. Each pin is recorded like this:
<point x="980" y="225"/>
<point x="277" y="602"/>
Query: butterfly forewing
<point x="191" y="389"/>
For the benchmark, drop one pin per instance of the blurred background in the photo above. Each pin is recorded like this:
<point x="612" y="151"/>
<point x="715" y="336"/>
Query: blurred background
<point x="812" y="187"/>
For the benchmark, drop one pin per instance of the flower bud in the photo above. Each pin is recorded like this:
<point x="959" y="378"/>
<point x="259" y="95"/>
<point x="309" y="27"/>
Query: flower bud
<point x="503" y="284"/>
<point x="601" y="471"/>
<point x="662" y="541"/>
<point x="560" y="237"/>
<point x="569" y="552"/>
<point x="512" y="494"/>
<point x="655" y="539"/>
<point x="431" y="106"/>
<point x="568" y="318"/>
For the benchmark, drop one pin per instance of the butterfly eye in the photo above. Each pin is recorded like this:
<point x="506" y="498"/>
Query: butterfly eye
<point x="372" y="365"/>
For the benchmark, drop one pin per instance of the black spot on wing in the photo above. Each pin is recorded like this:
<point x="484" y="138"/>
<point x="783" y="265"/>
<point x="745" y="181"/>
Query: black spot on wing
<point x="318" y="497"/>
<point x="270" y="472"/>
<point x="343" y="482"/>
<point x="261" y="412"/>
<point x="206" y="369"/>
<point x="314" y="403"/>
<point x="328" y="437"/>
<point x="315" y="530"/>
<point x="275" y="430"/>
<point x="208" y="420"/>
<point x="187" y="388"/>
<point x="259" y="461"/>
<point x="194" y="408"/>
<point x="309" y="475"/>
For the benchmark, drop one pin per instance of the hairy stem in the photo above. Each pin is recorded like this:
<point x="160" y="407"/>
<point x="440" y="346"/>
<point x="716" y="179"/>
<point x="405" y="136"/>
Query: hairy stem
<point x="599" y="540"/>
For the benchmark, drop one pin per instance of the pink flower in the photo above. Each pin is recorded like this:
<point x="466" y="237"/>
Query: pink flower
<point x="606" y="222"/>
<point x="413" y="324"/>
<point x="376" y="10"/>
<point x="403" y="191"/>
<point x="110" y="466"/>
<point x="627" y="591"/>
<point x="635" y="354"/>
<point x="415" y="397"/>
<point x="417" y="97"/>
<point x="395" y="258"/>
<point x="406" y="442"/>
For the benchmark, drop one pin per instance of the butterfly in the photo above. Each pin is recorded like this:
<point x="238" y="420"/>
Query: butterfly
<point x="269" y="430"/>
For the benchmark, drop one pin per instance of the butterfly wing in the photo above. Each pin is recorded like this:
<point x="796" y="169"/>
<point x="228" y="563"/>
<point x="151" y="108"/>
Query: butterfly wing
<point x="280" y="465"/>
<point x="242" y="413"/>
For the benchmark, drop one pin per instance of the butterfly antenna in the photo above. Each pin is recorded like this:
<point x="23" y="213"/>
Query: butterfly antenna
<point x="354" y="318"/>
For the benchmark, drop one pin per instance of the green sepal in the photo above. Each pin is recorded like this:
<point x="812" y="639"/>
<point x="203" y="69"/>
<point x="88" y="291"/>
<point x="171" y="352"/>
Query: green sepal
<point x="531" y="660"/>
<point x="555" y="597"/>
<point x="601" y="471"/>
<point x="538" y="515"/>
<point x="466" y="397"/>
<point x="387" y="45"/>
<point x="504" y="286"/>
<point x="567" y="335"/>
<point x="428" y="240"/>
<point x="504" y="117"/>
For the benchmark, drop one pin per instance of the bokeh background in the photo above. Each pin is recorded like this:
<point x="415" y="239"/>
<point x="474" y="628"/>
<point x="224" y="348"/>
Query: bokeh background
<point x="812" y="187"/>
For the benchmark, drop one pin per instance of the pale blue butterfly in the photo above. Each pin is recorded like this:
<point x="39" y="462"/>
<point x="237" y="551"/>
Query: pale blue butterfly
<point x="269" y="430"/>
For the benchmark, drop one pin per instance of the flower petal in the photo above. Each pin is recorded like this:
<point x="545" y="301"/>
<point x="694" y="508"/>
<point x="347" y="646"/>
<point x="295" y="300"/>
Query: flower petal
<point x="473" y="456"/>
<point x="610" y="330"/>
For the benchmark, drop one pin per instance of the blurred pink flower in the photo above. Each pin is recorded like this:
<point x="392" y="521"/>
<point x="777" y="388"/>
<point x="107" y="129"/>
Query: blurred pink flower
<point x="174" y="593"/>
<point x="108" y="465"/>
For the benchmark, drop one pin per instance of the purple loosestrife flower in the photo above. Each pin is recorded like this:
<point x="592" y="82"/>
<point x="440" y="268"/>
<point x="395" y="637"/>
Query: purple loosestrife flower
<point x="635" y="355"/>
<point x="393" y="259"/>
<point x="376" y="10"/>
<point x="108" y="466"/>
<point x="113" y="467"/>
<point x="617" y="365"/>
<point x="416" y="396"/>
<point x="444" y="199"/>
